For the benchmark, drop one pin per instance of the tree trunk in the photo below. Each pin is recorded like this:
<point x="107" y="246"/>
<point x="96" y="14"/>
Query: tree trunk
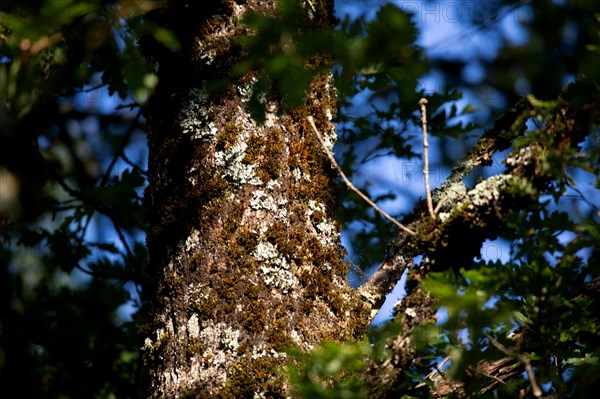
<point x="245" y="256"/>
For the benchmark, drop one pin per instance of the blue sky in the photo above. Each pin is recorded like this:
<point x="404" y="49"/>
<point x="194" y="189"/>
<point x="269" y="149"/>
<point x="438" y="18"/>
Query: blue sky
<point x="453" y="30"/>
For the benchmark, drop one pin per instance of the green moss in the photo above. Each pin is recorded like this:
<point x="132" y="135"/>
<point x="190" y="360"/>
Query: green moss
<point x="255" y="317"/>
<point x="272" y="157"/>
<point x="267" y="153"/>
<point x="228" y="285"/>
<point x="203" y="305"/>
<point x="285" y="239"/>
<point x="171" y="283"/>
<point x="249" y="377"/>
<point x="247" y="240"/>
<point x="182" y="205"/>
<point x="279" y="337"/>
<point x="193" y="346"/>
<point x="231" y="221"/>
<point x="228" y="136"/>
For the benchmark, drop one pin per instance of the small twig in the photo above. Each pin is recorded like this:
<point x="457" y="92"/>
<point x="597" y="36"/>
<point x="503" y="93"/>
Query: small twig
<point x="440" y="204"/>
<point x="493" y="377"/>
<point x="433" y="372"/>
<point x="537" y="392"/>
<point x="423" y="103"/>
<point x="441" y="364"/>
<point x="121" y="150"/>
<point x="127" y="105"/>
<point x="349" y="183"/>
<point x="581" y="196"/>
<point x="110" y="167"/>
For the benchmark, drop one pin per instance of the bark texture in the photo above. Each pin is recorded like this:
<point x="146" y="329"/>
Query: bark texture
<point x="245" y="256"/>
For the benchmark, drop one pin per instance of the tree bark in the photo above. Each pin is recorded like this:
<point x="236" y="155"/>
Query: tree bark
<point x="245" y="256"/>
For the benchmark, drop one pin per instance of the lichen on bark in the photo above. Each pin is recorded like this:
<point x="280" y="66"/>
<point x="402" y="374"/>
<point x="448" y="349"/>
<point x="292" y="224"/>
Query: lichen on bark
<point x="245" y="259"/>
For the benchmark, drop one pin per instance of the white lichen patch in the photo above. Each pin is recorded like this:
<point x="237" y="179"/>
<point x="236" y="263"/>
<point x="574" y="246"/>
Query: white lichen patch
<point x="193" y="327"/>
<point x="271" y="118"/>
<point x="191" y="175"/>
<point x="230" y="339"/>
<point x="295" y="337"/>
<point x="205" y="54"/>
<point x="271" y="184"/>
<point x="231" y="160"/>
<point x="487" y="191"/>
<point x="330" y="138"/>
<point x="245" y="91"/>
<point x="195" y="115"/>
<point x="197" y="291"/>
<point x="314" y="206"/>
<point x="339" y="283"/>
<point x="172" y="379"/>
<point x="274" y="267"/>
<point x="192" y="241"/>
<point x="300" y="175"/>
<point x="330" y="135"/>
<point x="161" y="333"/>
<point x="327" y="230"/>
<point x="521" y="157"/>
<point x="260" y="351"/>
<point x="219" y="344"/>
<point x="265" y="251"/>
<point x="263" y="200"/>
<point x="443" y="216"/>
<point x="219" y="337"/>
<point x="450" y="196"/>
<point x="150" y="345"/>
<point x="328" y="114"/>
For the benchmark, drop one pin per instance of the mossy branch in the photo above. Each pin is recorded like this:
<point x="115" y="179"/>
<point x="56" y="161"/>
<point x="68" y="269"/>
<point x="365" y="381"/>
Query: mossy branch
<point x="434" y="239"/>
<point x="477" y="216"/>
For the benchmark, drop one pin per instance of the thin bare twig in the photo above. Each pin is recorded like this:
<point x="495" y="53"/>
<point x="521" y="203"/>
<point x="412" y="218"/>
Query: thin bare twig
<point x="537" y="392"/>
<point x="440" y="204"/>
<point x="349" y="183"/>
<point x="493" y="377"/>
<point x="436" y="370"/>
<point x="423" y="103"/>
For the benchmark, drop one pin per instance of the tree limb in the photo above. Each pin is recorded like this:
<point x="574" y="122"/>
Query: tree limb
<point x="399" y="254"/>
<point x="478" y="214"/>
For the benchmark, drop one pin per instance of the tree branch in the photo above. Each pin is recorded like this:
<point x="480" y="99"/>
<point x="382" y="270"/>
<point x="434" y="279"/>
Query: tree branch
<point x="349" y="183"/>
<point x="422" y="104"/>
<point x="478" y="215"/>
<point x="399" y="253"/>
<point x="537" y="392"/>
